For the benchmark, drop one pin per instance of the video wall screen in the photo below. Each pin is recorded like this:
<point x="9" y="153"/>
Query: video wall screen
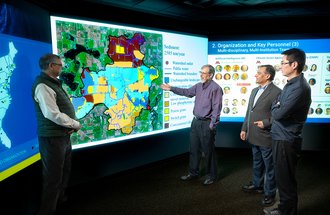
<point x="236" y="63"/>
<point x="113" y="75"/>
<point x="18" y="134"/>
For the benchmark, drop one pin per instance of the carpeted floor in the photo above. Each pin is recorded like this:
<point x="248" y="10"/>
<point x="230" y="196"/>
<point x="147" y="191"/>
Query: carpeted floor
<point x="156" y="189"/>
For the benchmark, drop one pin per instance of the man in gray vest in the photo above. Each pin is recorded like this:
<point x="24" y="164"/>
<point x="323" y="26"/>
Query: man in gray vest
<point x="56" y="121"/>
<point x="256" y="130"/>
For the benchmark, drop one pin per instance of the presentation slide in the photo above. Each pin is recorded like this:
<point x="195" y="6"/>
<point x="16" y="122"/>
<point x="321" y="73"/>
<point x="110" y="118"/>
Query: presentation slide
<point x="19" y="66"/>
<point x="113" y="74"/>
<point x="236" y="63"/>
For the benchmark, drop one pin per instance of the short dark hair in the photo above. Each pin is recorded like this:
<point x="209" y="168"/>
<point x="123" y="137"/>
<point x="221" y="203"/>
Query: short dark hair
<point x="46" y="59"/>
<point x="297" y="55"/>
<point x="270" y="70"/>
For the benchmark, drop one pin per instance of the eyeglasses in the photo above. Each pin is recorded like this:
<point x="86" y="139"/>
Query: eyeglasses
<point x="284" y="63"/>
<point x="203" y="73"/>
<point x="58" y="64"/>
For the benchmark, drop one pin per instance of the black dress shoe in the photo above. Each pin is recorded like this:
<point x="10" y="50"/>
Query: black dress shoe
<point x="188" y="177"/>
<point x="272" y="211"/>
<point x="250" y="188"/>
<point x="268" y="201"/>
<point x="208" y="181"/>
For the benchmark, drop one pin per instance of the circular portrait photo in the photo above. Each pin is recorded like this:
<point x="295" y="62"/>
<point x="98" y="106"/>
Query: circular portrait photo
<point x="244" y="76"/>
<point x="226" y="90"/>
<point x="227" y="68"/>
<point x="218" y="76"/>
<point x="218" y="68"/>
<point x="327" y="90"/>
<point x="235" y="102"/>
<point x="327" y="111"/>
<point x="305" y="68"/>
<point x="328" y="67"/>
<point x="243" y="90"/>
<point x="235" y="76"/>
<point x="225" y="102"/>
<point x="318" y="111"/>
<point x="311" y="111"/>
<point x="226" y="110"/>
<point x="227" y="76"/>
<point x="235" y="111"/>
<point x="243" y="102"/>
<point x="313" y="68"/>
<point x="235" y="68"/>
<point x="312" y="81"/>
<point x="244" y="68"/>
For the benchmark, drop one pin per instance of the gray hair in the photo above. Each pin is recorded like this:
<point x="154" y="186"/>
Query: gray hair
<point x="46" y="59"/>
<point x="211" y="69"/>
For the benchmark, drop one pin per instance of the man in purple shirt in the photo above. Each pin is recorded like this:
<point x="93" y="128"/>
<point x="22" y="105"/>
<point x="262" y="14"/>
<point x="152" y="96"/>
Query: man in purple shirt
<point x="208" y="104"/>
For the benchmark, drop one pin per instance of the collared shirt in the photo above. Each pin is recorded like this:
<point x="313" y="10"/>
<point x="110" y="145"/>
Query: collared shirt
<point x="290" y="110"/>
<point x="259" y="92"/>
<point x="46" y="97"/>
<point x="208" y="100"/>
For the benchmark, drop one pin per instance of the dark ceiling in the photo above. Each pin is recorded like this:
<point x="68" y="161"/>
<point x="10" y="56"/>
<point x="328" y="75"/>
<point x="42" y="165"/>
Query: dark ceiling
<point x="190" y="10"/>
<point x="203" y="16"/>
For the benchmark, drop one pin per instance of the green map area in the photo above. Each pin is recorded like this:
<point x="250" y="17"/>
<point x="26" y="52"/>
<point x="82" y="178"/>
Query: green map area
<point x="113" y="77"/>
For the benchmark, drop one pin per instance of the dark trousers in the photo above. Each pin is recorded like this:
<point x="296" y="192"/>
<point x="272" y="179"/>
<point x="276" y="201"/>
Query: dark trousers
<point x="202" y="141"/>
<point x="263" y="169"/>
<point x="56" y="163"/>
<point x="286" y="155"/>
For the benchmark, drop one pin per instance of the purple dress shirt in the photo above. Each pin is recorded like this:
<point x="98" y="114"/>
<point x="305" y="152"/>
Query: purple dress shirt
<point x="208" y="100"/>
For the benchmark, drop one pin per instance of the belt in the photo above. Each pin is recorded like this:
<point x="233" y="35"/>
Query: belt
<point x="202" y="118"/>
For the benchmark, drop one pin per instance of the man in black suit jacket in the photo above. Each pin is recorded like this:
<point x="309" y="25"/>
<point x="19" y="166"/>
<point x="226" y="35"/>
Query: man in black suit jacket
<point x="256" y="130"/>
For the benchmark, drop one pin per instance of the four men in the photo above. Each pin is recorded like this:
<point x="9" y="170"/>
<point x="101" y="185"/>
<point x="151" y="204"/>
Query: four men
<point x="272" y="125"/>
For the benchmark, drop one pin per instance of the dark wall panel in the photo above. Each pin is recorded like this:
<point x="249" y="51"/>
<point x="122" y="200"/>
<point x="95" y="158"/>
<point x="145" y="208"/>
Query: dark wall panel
<point x="100" y="161"/>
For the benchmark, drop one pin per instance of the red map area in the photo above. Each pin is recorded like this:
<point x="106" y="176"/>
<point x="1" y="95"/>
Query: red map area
<point x="129" y="46"/>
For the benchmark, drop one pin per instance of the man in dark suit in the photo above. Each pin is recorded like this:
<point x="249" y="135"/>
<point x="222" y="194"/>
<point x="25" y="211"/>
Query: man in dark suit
<point x="256" y="130"/>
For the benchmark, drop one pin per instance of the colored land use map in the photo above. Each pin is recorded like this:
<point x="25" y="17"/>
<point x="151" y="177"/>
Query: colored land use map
<point x="113" y="77"/>
<point x="6" y="70"/>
